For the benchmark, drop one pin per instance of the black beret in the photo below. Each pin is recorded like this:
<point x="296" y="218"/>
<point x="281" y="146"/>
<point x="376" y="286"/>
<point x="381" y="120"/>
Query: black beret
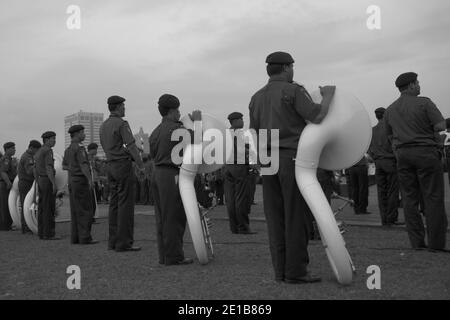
<point x="115" y="100"/>
<point x="48" y="134"/>
<point x="279" y="58"/>
<point x="76" y="128"/>
<point x="405" y="78"/>
<point x="92" y="146"/>
<point x="9" y="145"/>
<point x="34" y="144"/>
<point x="235" y="115"/>
<point x="168" y="101"/>
<point x="380" y="110"/>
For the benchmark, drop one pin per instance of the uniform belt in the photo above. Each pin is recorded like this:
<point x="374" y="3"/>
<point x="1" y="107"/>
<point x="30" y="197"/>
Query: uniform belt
<point x="404" y="146"/>
<point x="167" y="166"/>
<point x="118" y="160"/>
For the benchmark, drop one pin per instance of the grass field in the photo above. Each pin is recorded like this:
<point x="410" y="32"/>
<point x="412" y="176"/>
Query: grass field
<point x="33" y="269"/>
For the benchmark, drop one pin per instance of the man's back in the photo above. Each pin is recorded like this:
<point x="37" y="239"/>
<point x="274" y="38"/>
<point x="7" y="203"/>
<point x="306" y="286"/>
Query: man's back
<point x="112" y="133"/>
<point x="161" y="144"/>
<point x="284" y="106"/>
<point x="412" y="120"/>
<point x="380" y="146"/>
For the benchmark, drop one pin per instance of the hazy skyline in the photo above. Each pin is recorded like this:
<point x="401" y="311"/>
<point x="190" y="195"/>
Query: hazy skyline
<point x="209" y="53"/>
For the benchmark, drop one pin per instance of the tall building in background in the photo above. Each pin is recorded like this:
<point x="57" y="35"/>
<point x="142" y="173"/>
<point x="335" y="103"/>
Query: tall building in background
<point x="91" y="122"/>
<point x="142" y="142"/>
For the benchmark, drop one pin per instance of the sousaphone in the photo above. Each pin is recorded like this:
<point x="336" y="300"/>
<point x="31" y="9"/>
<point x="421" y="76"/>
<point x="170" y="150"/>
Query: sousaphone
<point x="30" y="204"/>
<point x="196" y="159"/>
<point x="337" y="143"/>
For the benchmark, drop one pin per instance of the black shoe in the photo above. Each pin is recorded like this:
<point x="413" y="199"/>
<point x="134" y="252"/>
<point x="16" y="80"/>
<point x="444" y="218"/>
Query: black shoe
<point x="247" y="232"/>
<point x="181" y="262"/>
<point x="308" y="278"/>
<point x="398" y="223"/>
<point x="52" y="238"/>
<point x="439" y="250"/>
<point x="90" y="242"/>
<point x="129" y="249"/>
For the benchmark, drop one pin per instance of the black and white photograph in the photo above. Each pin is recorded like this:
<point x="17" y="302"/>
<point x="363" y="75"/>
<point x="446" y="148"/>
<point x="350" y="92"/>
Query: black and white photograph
<point x="224" y="156"/>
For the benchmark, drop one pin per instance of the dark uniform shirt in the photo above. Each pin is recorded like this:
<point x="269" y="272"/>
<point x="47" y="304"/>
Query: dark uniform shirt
<point x="161" y="144"/>
<point x="285" y="106"/>
<point x="75" y="158"/>
<point x="9" y="166"/>
<point x="380" y="146"/>
<point x="26" y="167"/>
<point x="241" y="150"/>
<point x="115" y="137"/>
<point x="44" y="160"/>
<point x="410" y="120"/>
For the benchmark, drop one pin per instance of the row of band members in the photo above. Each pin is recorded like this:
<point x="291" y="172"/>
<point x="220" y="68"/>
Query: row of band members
<point x="287" y="214"/>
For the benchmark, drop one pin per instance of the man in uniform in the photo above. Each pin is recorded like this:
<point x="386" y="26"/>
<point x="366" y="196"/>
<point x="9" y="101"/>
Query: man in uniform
<point x="45" y="174"/>
<point x="238" y="181"/>
<point x="8" y="171"/>
<point x="25" y="172"/>
<point x="95" y="165"/>
<point x="81" y="188"/>
<point x="120" y="148"/>
<point x="169" y="211"/>
<point x="386" y="172"/>
<point x="285" y="106"/>
<point x="148" y="179"/>
<point x="412" y="122"/>
<point x="359" y="182"/>
<point x="219" y="186"/>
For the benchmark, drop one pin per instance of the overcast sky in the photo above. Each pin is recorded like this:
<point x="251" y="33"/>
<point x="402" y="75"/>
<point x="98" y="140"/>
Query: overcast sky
<point x="209" y="53"/>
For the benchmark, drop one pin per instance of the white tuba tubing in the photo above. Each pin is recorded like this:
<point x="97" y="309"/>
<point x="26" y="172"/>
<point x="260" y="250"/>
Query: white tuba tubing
<point x="188" y="172"/>
<point x="14" y="204"/>
<point x="312" y="141"/>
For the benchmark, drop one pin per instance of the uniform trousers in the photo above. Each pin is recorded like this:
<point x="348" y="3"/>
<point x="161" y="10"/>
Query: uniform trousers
<point x="24" y="188"/>
<point x="359" y="180"/>
<point x="420" y="172"/>
<point x="81" y="211"/>
<point x="238" y="196"/>
<point x="46" y="208"/>
<point x="287" y="216"/>
<point x="169" y="214"/>
<point x="5" y="217"/>
<point x="387" y="189"/>
<point x="121" y="181"/>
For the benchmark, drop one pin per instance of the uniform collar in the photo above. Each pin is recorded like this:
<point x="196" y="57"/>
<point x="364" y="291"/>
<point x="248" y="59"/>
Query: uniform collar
<point x="114" y="115"/>
<point x="165" y="119"/>
<point x="278" y="77"/>
<point x="407" y="94"/>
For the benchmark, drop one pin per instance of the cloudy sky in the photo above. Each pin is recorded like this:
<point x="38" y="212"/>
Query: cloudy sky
<point x="210" y="53"/>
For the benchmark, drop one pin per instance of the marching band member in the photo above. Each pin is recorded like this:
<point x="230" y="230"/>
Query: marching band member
<point x="8" y="171"/>
<point x="81" y="187"/>
<point x="169" y="211"/>
<point x="120" y="149"/>
<point x="285" y="106"/>
<point x="45" y="174"/>
<point x="25" y="172"/>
